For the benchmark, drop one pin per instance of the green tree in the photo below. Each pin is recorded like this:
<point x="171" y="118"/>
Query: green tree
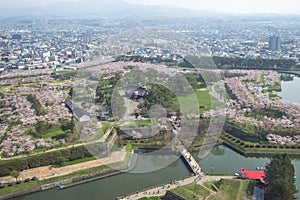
<point x="15" y="174"/>
<point x="36" y="105"/>
<point x="67" y="125"/>
<point x="280" y="173"/>
<point x="160" y="95"/>
<point x="195" y="80"/>
<point x="2" y="104"/>
<point x="245" y="63"/>
<point x="71" y="92"/>
<point x="2" y="95"/>
<point x="41" y="127"/>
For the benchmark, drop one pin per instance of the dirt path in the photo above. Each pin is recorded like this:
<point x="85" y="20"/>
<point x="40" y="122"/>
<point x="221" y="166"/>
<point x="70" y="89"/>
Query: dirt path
<point x="48" y="172"/>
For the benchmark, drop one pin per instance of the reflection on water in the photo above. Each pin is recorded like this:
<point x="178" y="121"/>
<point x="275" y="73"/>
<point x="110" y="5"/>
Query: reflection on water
<point x="290" y="90"/>
<point x="218" y="151"/>
<point x="231" y="162"/>
<point x="221" y="160"/>
<point x="112" y="187"/>
<point x="144" y="163"/>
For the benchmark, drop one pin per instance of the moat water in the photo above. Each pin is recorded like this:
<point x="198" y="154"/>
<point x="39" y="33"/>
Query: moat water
<point x="291" y="90"/>
<point x="221" y="160"/>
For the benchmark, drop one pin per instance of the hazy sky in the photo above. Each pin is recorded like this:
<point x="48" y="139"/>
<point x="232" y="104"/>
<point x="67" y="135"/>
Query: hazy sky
<point x="236" y="6"/>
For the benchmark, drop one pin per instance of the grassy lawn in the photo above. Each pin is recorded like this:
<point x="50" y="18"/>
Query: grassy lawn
<point x="228" y="190"/>
<point x="276" y="87"/>
<point x="261" y="79"/>
<point x="107" y="125"/>
<point x="150" y="198"/>
<point x="190" y="192"/>
<point x="209" y="186"/>
<point x="273" y="151"/>
<point x="18" y="188"/>
<point x="52" y="134"/>
<point x="204" y="99"/>
<point x="232" y="190"/>
<point x="248" y="128"/>
<point x="6" y="88"/>
<point x="142" y="123"/>
<point x="77" y="161"/>
<point x="139" y="124"/>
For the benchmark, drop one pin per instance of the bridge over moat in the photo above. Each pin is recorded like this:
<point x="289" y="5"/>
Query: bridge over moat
<point x="190" y="160"/>
<point x="161" y="190"/>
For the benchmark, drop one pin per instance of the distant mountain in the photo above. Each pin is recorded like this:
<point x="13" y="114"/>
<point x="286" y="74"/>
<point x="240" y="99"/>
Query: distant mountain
<point x="101" y="8"/>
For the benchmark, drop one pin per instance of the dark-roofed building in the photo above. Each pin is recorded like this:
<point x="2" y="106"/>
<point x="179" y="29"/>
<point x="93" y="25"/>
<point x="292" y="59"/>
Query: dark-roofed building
<point x="78" y="113"/>
<point x="171" y="196"/>
<point x="69" y="104"/>
<point x="141" y="91"/>
<point x="136" y="93"/>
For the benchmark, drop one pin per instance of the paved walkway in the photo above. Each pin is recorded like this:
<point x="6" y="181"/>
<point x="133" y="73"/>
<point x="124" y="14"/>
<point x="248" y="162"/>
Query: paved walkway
<point x="162" y="190"/>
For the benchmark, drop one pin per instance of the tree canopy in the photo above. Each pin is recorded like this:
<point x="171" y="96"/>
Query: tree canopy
<point x="36" y="105"/>
<point x="246" y="63"/>
<point x="280" y="176"/>
<point x="15" y="174"/>
<point x="106" y="94"/>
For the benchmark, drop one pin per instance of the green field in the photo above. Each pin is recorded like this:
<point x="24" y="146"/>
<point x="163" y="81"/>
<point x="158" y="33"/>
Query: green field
<point x="233" y="190"/>
<point x="191" y="191"/>
<point x="218" y="190"/>
<point x="261" y="79"/>
<point x="150" y="198"/>
<point x="108" y="125"/>
<point x="77" y="161"/>
<point x="52" y="134"/>
<point x="142" y="123"/>
<point x="276" y="87"/>
<point x="204" y="99"/>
